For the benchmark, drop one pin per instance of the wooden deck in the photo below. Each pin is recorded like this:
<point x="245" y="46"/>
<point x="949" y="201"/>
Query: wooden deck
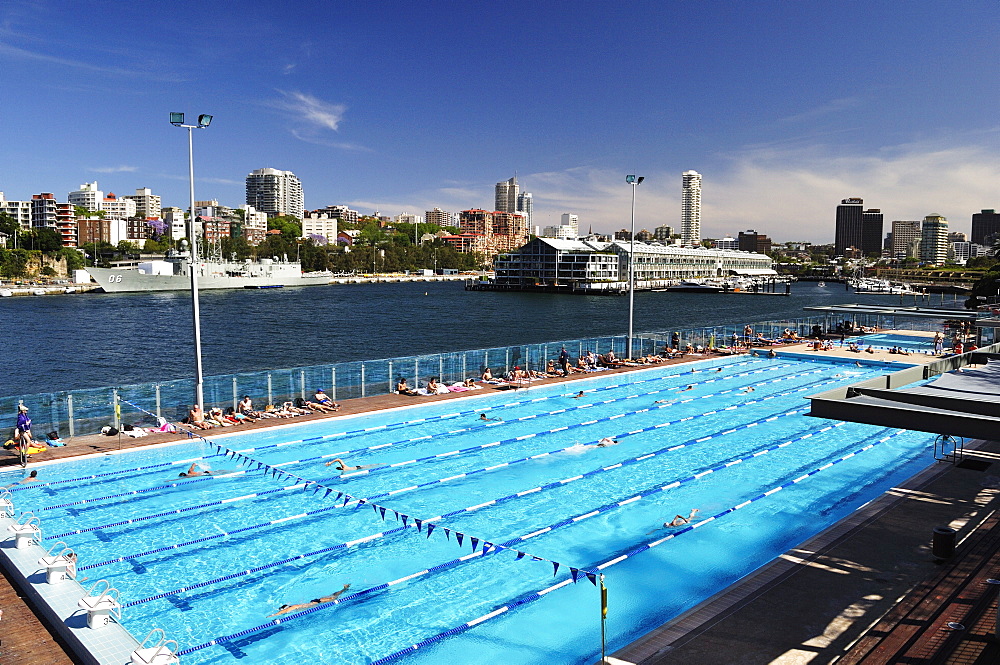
<point x="947" y="619"/>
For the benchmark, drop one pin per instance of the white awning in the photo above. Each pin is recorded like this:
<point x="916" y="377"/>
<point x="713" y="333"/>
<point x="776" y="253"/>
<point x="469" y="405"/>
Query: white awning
<point x="752" y="272"/>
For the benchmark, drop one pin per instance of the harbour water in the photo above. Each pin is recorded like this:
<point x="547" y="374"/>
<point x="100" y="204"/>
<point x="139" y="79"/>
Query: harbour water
<point x="91" y="340"/>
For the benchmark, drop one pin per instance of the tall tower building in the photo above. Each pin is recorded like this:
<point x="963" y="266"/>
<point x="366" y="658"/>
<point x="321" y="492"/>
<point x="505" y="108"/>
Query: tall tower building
<point x="572" y="221"/>
<point x="525" y="205"/>
<point x="934" y="240"/>
<point x="905" y="235"/>
<point x="985" y="227"/>
<point x="871" y="232"/>
<point x="275" y="192"/>
<point x="506" y="195"/>
<point x="850" y="221"/>
<point x="691" y="208"/>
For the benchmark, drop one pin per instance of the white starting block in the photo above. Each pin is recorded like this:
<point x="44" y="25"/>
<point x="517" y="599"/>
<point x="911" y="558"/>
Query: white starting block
<point x="61" y="566"/>
<point x="6" y="504"/>
<point x="26" y="533"/>
<point x="158" y="654"/>
<point x="103" y="607"/>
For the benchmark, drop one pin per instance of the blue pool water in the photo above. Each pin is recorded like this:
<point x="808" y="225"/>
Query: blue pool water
<point x="179" y="549"/>
<point x="908" y="342"/>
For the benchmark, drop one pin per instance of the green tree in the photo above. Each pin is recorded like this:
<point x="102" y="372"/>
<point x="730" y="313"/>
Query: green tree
<point x="14" y="262"/>
<point x="289" y="225"/>
<point x="8" y="224"/>
<point x="74" y="259"/>
<point x="46" y="239"/>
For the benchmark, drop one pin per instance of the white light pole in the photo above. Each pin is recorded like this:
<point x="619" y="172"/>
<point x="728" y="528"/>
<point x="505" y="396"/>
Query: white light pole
<point x="177" y="120"/>
<point x="634" y="181"/>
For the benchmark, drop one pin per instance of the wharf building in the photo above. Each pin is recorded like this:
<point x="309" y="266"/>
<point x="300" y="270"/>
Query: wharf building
<point x="691" y="208"/>
<point x="592" y="266"/>
<point x="275" y="192"/>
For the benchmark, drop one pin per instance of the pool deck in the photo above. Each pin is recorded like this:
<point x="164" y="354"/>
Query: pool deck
<point x="866" y="591"/>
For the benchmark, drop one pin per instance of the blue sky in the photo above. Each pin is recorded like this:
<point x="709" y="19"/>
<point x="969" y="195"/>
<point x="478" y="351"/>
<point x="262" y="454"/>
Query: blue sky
<point x="784" y="107"/>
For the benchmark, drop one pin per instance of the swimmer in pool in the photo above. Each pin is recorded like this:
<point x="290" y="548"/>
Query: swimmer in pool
<point x="578" y="395"/>
<point x="679" y="520"/>
<point x="680" y="390"/>
<point x="285" y="609"/>
<point x="482" y="416"/>
<point x="32" y="477"/>
<point x="606" y="441"/>
<point x="195" y="470"/>
<point x="749" y="389"/>
<point x="664" y="401"/>
<point x="344" y="467"/>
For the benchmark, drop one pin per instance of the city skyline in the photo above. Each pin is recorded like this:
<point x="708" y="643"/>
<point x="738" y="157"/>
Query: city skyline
<point x="762" y="100"/>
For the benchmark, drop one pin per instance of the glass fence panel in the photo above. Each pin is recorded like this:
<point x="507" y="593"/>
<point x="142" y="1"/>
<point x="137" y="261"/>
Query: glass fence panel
<point x="82" y="412"/>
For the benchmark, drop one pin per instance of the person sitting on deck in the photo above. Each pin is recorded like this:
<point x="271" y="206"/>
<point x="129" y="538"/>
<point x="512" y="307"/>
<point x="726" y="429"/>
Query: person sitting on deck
<point x="435" y="388"/>
<point x="853" y="347"/>
<point x="328" y="404"/>
<point x="196" y="418"/>
<point x="285" y="609"/>
<point x="315" y="406"/>
<point x="245" y="407"/>
<point x="403" y="389"/>
<point x="870" y="349"/>
<point x="22" y="432"/>
<point x="487" y="374"/>
<point x="216" y="417"/>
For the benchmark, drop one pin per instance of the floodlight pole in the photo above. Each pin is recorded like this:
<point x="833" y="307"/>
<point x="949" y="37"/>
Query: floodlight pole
<point x="199" y="379"/>
<point x="634" y="181"/>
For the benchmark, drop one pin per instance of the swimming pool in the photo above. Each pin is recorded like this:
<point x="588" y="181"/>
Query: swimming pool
<point x="887" y="340"/>
<point x="208" y="558"/>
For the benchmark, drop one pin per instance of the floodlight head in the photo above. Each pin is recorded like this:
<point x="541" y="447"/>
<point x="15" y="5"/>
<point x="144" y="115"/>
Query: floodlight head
<point x="639" y="181"/>
<point x="204" y="120"/>
<point x="629" y="178"/>
<point x="176" y="119"/>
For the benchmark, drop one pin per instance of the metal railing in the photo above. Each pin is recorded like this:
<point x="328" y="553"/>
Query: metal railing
<point x="83" y="412"/>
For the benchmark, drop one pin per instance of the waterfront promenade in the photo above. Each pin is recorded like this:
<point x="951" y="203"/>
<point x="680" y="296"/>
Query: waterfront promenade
<point x="863" y="591"/>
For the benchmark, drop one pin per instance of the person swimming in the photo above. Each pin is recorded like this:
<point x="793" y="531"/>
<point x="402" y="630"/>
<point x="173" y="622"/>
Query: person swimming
<point x="196" y="470"/>
<point x="680" y="390"/>
<point x="341" y="466"/>
<point x="679" y="520"/>
<point x="482" y="416"/>
<point x="606" y="441"/>
<point x="285" y="609"/>
<point x="578" y="395"/>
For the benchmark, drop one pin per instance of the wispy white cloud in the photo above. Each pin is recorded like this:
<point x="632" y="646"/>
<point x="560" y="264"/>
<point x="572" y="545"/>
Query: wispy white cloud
<point x="832" y="107"/>
<point x="113" y="169"/>
<point x="309" y="137"/>
<point x="313" y="118"/>
<point x="8" y="50"/>
<point x="787" y="192"/>
<point x="311" y="110"/>
<point x="222" y="181"/>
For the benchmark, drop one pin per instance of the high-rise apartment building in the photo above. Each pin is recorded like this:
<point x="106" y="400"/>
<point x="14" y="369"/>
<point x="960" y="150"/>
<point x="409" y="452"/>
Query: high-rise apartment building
<point x="985" y="227"/>
<point x="19" y="211"/>
<point x="691" y="208"/>
<point x="751" y="241"/>
<point x="275" y="192"/>
<point x="88" y="196"/>
<point x="572" y="221"/>
<point x="440" y="217"/>
<point x="525" y="207"/>
<point x="849" y="225"/>
<point x="506" y="196"/>
<point x="118" y="208"/>
<point x="871" y="232"/>
<point x="147" y="204"/>
<point x="905" y="239"/>
<point x="934" y="240"/>
<point x="664" y="234"/>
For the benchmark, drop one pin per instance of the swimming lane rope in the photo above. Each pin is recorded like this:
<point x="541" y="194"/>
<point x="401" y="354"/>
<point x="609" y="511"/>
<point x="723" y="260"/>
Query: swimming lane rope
<point x="264" y="493"/>
<point x="524" y="600"/>
<point x="491" y="548"/>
